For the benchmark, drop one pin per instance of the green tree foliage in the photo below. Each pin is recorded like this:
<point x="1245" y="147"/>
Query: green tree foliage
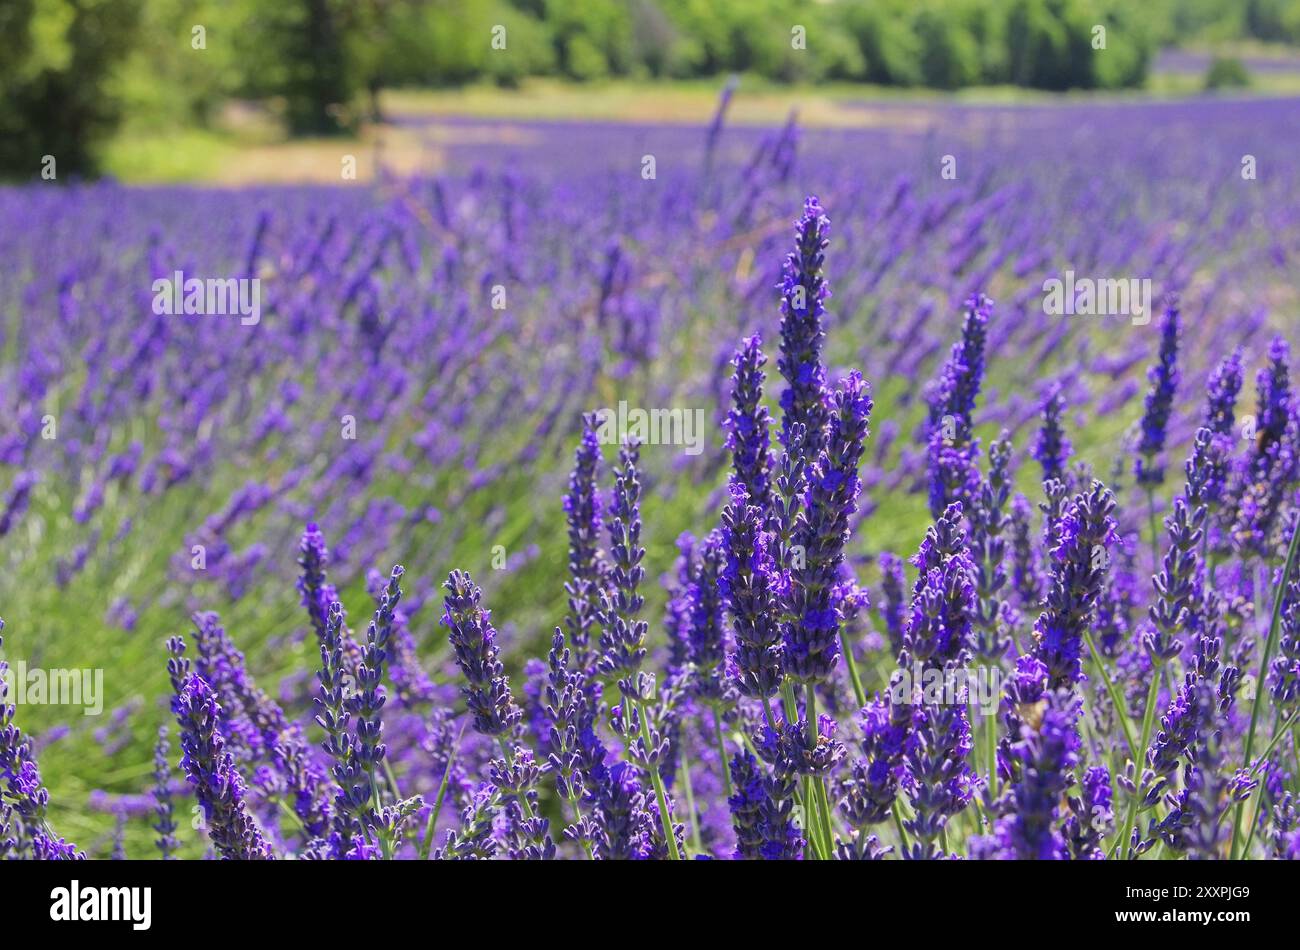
<point x="69" y="69"/>
<point x="56" y="93"/>
<point x="1226" y="73"/>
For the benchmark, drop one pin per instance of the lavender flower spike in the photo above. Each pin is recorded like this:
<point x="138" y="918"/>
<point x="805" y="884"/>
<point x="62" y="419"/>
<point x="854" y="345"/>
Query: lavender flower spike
<point x="1051" y="448"/>
<point x="217" y="784"/>
<point x="749" y="584"/>
<point x="803" y="295"/>
<point x="952" y="448"/>
<point x="1046" y="751"/>
<point x="582" y="512"/>
<point x="761" y="812"/>
<point x="1079" y="563"/>
<point x="748" y="423"/>
<point x="1159" y="403"/>
<point x="622" y="635"/>
<point x="474" y="641"/>
<point x="162" y="797"/>
<point x="830" y="500"/>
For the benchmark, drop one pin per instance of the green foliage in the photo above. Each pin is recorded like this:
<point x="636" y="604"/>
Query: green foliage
<point x="70" y="69"/>
<point x="1226" y="73"/>
<point x="56" y="61"/>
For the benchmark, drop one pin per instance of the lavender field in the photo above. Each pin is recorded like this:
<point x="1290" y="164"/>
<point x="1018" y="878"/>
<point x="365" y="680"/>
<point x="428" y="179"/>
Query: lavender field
<point x="871" y="552"/>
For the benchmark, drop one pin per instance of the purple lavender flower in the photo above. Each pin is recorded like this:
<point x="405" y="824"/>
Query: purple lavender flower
<point x="1051" y="447"/>
<point x="937" y="777"/>
<point x="474" y="840"/>
<point x="786" y="747"/>
<point x="1284" y="671"/>
<point x="706" y="647"/>
<point x="622" y="635"/>
<point x="366" y="701"/>
<point x="893" y="601"/>
<point x="21" y="791"/>
<point x="582" y="512"/>
<point x="761" y="812"/>
<point x="625" y="826"/>
<point x="165" y="824"/>
<point x="939" y="623"/>
<point x="803" y="295"/>
<point x="748" y="423"/>
<point x="1179" y="726"/>
<point x="870" y="792"/>
<point x="953" y="449"/>
<point x="567" y="706"/>
<point x="474" y="641"/>
<point x="1091" y="816"/>
<point x="1164" y="377"/>
<point x="1079" y="563"/>
<point x="1025" y="580"/>
<point x="211" y="771"/>
<point x="9" y="848"/>
<point x="749" y="584"/>
<point x="1264" y="477"/>
<point x="333" y="715"/>
<point x="316" y="592"/>
<point x="1196" y="822"/>
<point x="1221" y="393"/>
<point x="1176" y="583"/>
<point x="994" y="616"/>
<point x="16" y="503"/>
<point x="1046" y="751"/>
<point x="256" y="729"/>
<point x="830" y="499"/>
<point x="935" y="773"/>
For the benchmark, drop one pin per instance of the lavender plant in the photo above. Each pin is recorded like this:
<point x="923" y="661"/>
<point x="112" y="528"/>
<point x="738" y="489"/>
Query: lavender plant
<point x="766" y="708"/>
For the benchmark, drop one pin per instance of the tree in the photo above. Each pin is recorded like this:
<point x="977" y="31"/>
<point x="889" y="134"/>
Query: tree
<point x="56" y="57"/>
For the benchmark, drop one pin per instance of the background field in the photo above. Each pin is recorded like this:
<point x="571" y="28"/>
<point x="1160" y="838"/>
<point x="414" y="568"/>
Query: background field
<point x="621" y="287"/>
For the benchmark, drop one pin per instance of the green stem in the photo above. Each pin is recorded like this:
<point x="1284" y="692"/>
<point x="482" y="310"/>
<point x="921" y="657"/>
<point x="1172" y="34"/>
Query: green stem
<point x="665" y="819"/>
<point x="722" y="751"/>
<point x="1155" y="531"/>
<point x="811" y="827"/>
<point x="392" y="780"/>
<point x="385" y="842"/>
<point x="1263" y="757"/>
<point x="898" y="824"/>
<point x="810" y="710"/>
<point x="1269" y="646"/>
<point x="684" y="770"/>
<point x="991" y="741"/>
<point x="1121" y="711"/>
<point x="858" y="692"/>
<point x="1148" y="717"/>
<point x="818" y="796"/>
<point x="828" y="830"/>
<point x="577" y="817"/>
<point x="437" y="803"/>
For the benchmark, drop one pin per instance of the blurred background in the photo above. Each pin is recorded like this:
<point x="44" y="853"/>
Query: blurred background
<point x="158" y="90"/>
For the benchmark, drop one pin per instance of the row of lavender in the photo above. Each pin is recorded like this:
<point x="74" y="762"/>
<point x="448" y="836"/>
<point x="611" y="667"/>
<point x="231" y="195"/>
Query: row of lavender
<point x="378" y="308"/>
<point x="765" y="630"/>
